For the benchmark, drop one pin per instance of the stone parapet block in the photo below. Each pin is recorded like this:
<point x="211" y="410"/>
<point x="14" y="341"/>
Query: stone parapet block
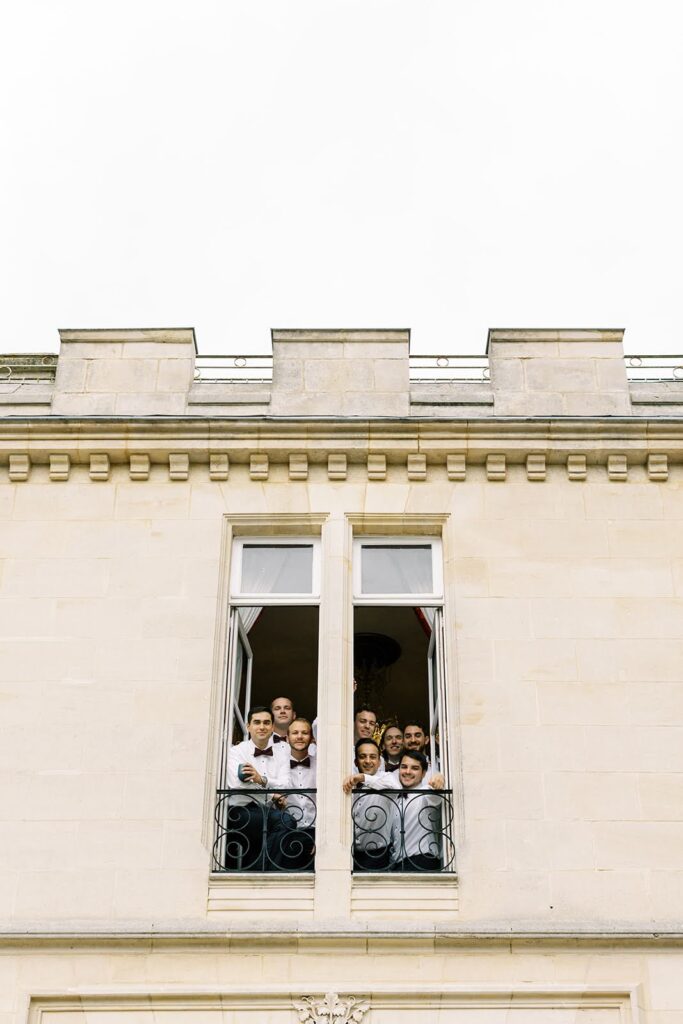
<point x="558" y="373"/>
<point x="340" y="372"/>
<point x="124" y="372"/>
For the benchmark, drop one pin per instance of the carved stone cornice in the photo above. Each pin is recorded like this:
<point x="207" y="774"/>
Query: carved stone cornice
<point x="452" y="447"/>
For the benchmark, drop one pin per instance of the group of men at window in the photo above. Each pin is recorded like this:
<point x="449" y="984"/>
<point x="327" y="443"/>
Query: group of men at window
<point x="267" y="820"/>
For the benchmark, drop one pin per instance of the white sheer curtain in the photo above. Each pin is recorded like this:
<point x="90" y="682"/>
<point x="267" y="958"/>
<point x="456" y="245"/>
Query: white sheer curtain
<point x="277" y="569"/>
<point x="396" y="569"/>
<point x="273" y="569"/>
<point x="249" y="616"/>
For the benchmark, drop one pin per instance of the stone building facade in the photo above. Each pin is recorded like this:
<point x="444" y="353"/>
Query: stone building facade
<point x="539" y="491"/>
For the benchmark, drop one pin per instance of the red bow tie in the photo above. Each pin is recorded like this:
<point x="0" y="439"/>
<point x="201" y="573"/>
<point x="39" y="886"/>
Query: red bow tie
<point x="306" y="763"/>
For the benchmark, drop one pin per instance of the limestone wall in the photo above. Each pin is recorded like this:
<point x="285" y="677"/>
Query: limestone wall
<point x="564" y="600"/>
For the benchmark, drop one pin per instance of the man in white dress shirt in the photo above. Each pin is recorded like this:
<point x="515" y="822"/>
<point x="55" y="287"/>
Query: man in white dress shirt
<point x="292" y="848"/>
<point x="416" y="737"/>
<point x="416" y="831"/>
<point x="255" y="766"/>
<point x="373" y="815"/>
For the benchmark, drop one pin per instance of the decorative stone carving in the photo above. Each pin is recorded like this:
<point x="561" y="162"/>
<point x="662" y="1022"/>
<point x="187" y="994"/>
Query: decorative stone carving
<point x="258" y="466"/>
<point x="19" y="467"/>
<point x="60" y="466"/>
<point x="219" y="466"/>
<point x="336" y="466"/>
<point x="377" y="467"/>
<point x="617" y="467"/>
<point x="496" y="467"/>
<point x="99" y="466"/>
<point x="298" y="466"/>
<point x="456" y="467"/>
<point x="658" y="467"/>
<point x="331" y="1009"/>
<point x="535" y="466"/>
<point x="417" y="467"/>
<point x="179" y="466"/>
<point x="139" y="467"/>
<point x="576" y="467"/>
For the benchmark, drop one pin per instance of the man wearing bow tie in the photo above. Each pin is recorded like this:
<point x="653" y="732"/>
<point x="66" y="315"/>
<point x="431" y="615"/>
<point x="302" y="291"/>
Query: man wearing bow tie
<point x="255" y="766"/>
<point x="293" y="847"/>
<point x="283" y="716"/>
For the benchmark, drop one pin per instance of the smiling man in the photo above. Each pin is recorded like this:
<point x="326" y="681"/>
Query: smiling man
<point x="292" y="847"/>
<point x="254" y="765"/>
<point x="416" y="830"/>
<point x="373" y="815"/>
<point x="392" y="745"/>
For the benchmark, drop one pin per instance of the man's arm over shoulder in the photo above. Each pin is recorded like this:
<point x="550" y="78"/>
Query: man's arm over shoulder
<point x="382" y="780"/>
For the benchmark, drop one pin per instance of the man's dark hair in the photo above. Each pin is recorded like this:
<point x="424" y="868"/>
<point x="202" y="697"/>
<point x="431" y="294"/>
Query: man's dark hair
<point x="259" y="710"/>
<point x="420" y="725"/>
<point x="418" y="756"/>
<point x="362" y="743"/>
<point x="360" y="710"/>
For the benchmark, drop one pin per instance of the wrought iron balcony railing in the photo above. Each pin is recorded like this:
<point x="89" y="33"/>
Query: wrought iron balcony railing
<point x="409" y="830"/>
<point x="261" y="830"/>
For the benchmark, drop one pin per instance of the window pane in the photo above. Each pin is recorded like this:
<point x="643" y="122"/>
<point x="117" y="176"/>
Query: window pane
<point x="392" y="569"/>
<point x="277" y="569"/>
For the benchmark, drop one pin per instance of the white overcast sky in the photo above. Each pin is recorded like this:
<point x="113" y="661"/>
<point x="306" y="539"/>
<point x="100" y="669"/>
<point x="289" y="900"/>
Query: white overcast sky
<point x="444" y="165"/>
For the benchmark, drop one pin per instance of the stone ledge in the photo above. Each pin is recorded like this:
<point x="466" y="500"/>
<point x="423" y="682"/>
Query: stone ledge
<point x="258" y="895"/>
<point x="340" y="334"/>
<point x="400" y="896"/>
<point x="25" y="394"/>
<point x="168" y="335"/>
<point x="146" y="935"/>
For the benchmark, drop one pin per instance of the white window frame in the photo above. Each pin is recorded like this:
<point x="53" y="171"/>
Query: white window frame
<point x="435" y="598"/>
<point x="238" y="597"/>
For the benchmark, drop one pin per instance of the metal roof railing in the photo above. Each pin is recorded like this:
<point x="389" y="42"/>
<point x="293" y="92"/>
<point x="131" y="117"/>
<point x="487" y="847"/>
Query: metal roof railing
<point x="27" y="369"/>
<point x="233" y="369"/>
<point x="654" y="368"/>
<point x="41" y="368"/>
<point x="446" y="369"/>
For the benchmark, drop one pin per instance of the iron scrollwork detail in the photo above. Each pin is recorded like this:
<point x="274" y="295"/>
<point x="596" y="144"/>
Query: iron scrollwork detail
<point x="265" y="831"/>
<point x="331" y="1009"/>
<point x="406" y="830"/>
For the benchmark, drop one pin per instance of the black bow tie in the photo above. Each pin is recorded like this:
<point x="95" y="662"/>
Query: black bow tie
<point x="263" y="753"/>
<point x="278" y="739"/>
<point x="306" y="763"/>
